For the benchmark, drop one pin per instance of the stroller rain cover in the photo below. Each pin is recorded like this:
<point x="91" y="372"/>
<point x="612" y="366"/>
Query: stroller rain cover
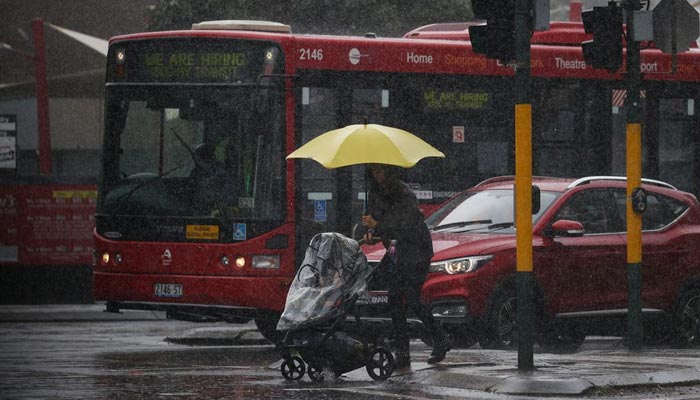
<point x="333" y="271"/>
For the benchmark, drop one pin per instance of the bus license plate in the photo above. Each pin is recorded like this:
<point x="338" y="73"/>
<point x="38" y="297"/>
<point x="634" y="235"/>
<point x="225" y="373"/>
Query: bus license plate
<point x="168" y="290"/>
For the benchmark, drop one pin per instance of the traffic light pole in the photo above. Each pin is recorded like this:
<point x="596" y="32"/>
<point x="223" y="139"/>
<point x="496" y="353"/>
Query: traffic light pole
<point x="523" y="185"/>
<point x="634" y="180"/>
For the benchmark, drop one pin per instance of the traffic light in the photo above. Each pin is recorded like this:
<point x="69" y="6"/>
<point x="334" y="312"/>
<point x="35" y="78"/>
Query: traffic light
<point x="605" y="50"/>
<point x="495" y="39"/>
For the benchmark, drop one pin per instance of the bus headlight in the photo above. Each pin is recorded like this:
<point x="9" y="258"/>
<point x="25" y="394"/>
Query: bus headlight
<point x="120" y="55"/>
<point x="459" y="265"/>
<point x="266" y="262"/>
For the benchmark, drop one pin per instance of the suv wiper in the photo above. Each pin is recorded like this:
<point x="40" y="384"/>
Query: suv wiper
<point x="500" y="225"/>
<point x="460" y="224"/>
<point x="123" y="199"/>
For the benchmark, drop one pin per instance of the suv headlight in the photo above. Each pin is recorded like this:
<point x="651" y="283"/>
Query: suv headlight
<point x="459" y="265"/>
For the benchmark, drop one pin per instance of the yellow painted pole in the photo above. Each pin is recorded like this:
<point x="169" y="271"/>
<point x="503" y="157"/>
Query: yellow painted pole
<point x="523" y="235"/>
<point x="634" y="180"/>
<point x="523" y="186"/>
<point x="634" y="238"/>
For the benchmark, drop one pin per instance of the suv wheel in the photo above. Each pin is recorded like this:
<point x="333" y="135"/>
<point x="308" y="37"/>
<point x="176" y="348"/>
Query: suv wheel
<point x="501" y="325"/>
<point x="689" y="318"/>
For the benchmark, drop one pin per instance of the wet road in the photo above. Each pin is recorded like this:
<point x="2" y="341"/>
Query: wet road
<point x="114" y="360"/>
<point x="131" y="360"/>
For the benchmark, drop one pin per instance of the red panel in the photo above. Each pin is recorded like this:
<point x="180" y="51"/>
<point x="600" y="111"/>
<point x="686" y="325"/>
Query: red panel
<point x="47" y="224"/>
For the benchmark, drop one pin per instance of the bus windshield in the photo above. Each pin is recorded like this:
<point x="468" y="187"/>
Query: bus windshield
<point x="201" y="151"/>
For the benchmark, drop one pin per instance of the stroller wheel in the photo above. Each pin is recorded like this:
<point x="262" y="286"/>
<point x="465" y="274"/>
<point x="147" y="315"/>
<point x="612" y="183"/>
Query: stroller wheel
<point x="380" y="364"/>
<point x="293" y="368"/>
<point x="320" y="373"/>
<point x="316" y="373"/>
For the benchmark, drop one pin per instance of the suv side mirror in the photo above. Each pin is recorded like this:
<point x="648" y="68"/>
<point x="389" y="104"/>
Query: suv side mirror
<point x="566" y="227"/>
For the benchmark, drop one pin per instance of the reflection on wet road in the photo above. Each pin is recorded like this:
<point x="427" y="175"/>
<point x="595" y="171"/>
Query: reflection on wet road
<point x="130" y="360"/>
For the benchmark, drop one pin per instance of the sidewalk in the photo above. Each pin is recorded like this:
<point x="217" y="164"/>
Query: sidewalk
<point x="555" y="374"/>
<point x="600" y="363"/>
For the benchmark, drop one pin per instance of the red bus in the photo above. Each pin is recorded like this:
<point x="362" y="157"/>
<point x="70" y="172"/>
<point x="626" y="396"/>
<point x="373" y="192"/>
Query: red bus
<point x="200" y="215"/>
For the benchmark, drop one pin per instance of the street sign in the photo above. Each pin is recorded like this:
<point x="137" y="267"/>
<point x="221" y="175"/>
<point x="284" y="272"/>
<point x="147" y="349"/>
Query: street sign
<point x="675" y="25"/>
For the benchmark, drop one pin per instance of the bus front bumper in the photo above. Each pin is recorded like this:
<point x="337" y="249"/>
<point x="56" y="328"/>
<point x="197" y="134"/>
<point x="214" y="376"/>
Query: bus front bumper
<point x="192" y="297"/>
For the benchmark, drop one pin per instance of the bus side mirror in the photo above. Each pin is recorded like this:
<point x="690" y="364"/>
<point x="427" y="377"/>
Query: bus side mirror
<point x="535" y="199"/>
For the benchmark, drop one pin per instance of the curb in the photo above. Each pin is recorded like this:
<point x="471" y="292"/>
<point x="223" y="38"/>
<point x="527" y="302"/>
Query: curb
<point x="219" y="336"/>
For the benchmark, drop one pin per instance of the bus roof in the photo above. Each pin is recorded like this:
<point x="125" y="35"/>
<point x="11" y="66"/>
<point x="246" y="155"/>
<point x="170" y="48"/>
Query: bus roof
<point x="243" y="25"/>
<point x="436" y="49"/>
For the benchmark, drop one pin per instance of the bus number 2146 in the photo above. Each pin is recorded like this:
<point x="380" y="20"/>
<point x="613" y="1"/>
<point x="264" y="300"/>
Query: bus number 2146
<point x="311" y="54"/>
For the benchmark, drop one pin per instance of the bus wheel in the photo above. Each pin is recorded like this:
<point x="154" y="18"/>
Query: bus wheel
<point x="266" y="322"/>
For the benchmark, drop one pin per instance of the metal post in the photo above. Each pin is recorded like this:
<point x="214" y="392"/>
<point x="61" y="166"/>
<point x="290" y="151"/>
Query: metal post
<point x="42" y="96"/>
<point x="634" y="180"/>
<point x="523" y="185"/>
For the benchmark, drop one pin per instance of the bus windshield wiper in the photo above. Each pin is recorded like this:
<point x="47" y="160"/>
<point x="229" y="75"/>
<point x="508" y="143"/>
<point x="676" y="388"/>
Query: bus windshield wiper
<point x="123" y="199"/>
<point x="500" y="225"/>
<point x="196" y="158"/>
<point x="461" y="224"/>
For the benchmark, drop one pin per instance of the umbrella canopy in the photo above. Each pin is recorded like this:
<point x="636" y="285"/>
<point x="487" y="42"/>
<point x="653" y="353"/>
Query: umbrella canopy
<point x="366" y="144"/>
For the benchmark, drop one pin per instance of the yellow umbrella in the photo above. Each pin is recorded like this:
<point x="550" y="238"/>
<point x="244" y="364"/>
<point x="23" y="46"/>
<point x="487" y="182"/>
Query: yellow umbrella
<point x="366" y="144"/>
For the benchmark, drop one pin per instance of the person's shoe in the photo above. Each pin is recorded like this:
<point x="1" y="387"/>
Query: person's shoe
<point x="440" y="349"/>
<point x="438" y="354"/>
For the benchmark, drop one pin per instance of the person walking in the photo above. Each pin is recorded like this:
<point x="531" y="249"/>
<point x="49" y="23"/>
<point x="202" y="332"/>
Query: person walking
<point x="394" y="216"/>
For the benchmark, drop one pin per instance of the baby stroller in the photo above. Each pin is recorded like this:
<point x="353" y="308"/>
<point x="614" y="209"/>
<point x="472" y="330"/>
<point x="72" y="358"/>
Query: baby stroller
<point x="333" y="276"/>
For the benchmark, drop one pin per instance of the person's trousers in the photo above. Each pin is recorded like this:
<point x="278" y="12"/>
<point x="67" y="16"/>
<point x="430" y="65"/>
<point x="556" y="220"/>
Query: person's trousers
<point x="404" y="292"/>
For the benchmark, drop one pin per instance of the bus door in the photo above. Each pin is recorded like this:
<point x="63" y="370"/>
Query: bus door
<point x="678" y="142"/>
<point x="670" y="144"/>
<point x="571" y="128"/>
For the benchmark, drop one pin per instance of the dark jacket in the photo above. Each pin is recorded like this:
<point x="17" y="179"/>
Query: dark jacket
<point x="395" y="208"/>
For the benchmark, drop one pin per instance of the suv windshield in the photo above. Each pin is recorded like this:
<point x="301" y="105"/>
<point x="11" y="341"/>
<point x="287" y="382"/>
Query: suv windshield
<point x="194" y="151"/>
<point x="482" y="211"/>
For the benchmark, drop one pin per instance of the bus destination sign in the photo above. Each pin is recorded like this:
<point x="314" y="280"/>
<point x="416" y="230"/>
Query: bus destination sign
<point x="199" y="67"/>
<point x="192" y="60"/>
<point x="455" y="100"/>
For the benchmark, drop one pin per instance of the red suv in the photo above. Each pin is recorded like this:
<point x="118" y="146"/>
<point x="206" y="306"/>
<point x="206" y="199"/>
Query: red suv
<point x="579" y="262"/>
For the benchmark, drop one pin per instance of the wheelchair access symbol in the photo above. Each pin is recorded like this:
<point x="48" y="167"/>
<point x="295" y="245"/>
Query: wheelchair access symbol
<point x="320" y="210"/>
<point x="239" y="232"/>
